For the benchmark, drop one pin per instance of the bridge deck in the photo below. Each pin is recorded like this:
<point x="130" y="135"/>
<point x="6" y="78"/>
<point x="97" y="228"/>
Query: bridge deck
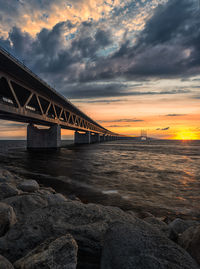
<point x="24" y="97"/>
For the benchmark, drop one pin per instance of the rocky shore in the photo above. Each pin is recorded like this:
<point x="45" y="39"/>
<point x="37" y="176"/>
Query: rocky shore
<point x="40" y="228"/>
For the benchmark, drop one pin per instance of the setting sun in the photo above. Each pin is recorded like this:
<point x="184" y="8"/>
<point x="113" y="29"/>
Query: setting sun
<point x="186" y="135"/>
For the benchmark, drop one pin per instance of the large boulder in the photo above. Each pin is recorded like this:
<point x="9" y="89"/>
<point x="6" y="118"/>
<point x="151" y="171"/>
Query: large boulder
<point x="25" y="204"/>
<point x="180" y="225"/>
<point x="190" y="241"/>
<point x="163" y="227"/>
<point x="87" y="224"/>
<point x="138" y="245"/>
<point x="7" y="218"/>
<point x="29" y="186"/>
<point x="5" y="264"/>
<point x="60" y="253"/>
<point x="8" y="190"/>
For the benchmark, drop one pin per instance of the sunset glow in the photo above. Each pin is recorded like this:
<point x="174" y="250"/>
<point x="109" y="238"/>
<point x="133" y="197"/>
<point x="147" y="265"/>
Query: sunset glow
<point x="186" y="135"/>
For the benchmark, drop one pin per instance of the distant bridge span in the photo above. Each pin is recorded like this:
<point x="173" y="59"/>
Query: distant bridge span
<point x="24" y="97"/>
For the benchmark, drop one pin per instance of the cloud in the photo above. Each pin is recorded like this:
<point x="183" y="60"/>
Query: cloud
<point x="163" y="129"/>
<point x="122" y="120"/>
<point x="119" y="126"/>
<point x="167" y="46"/>
<point x="7" y="124"/>
<point x="175" y="115"/>
<point x="106" y="101"/>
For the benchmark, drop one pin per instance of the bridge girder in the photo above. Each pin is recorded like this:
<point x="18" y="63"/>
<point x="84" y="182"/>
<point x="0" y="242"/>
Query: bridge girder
<point x="24" y="97"/>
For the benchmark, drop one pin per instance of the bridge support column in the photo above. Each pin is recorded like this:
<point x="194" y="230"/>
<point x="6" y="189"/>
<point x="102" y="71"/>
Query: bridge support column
<point x="102" y="138"/>
<point x="43" y="138"/>
<point x="95" y="138"/>
<point x="82" y="138"/>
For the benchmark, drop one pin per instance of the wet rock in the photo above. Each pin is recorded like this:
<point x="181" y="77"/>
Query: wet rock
<point x="7" y="218"/>
<point x="25" y="204"/>
<point x="144" y="214"/>
<point x="163" y="227"/>
<point x="180" y="225"/>
<point x="74" y="198"/>
<point x="140" y="246"/>
<point x="132" y="213"/>
<point x="190" y="241"/>
<point x="86" y="223"/>
<point x="29" y="186"/>
<point x="43" y="190"/>
<point x="8" y="177"/>
<point x="5" y="264"/>
<point x="60" y="253"/>
<point x="8" y="190"/>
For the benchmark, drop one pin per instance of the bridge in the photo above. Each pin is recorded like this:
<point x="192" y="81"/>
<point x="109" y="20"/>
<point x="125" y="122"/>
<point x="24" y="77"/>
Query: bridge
<point x="24" y="97"/>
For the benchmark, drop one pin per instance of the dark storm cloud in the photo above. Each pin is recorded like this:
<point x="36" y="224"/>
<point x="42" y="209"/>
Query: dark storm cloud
<point x="169" y="46"/>
<point x="48" y="55"/>
<point x="96" y="90"/>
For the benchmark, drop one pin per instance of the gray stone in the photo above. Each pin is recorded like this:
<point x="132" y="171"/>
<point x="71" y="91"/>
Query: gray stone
<point x="86" y="222"/>
<point x="60" y="254"/>
<point x="139" y="246"/>
<point x="180" y="225"/>
<point x="7" y="218"/>
<point x="5" y="264"/>
<point x="7" y="190"/>
<point x="190" y="241"/>
<point x="163" y="227"/>
<point x="29" y="186"/>
<point x="25" y="204"/>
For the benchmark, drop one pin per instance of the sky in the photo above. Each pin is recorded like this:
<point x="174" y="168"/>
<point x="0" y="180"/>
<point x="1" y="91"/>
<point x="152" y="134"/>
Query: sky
<point x="130" y="65"/>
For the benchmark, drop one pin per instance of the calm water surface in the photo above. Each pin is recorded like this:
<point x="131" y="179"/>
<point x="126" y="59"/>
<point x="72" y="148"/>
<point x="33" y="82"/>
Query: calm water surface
<point x="162" y="177"/>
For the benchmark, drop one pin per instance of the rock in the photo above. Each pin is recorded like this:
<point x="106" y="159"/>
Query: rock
<point x="29" y="186"/>
<point x="86" y="222"/>
<point x="7" y="218"/>
<point x="74" y="198"/>
<point x="5" y="264"/>
<point x="190" y="241"/>
<point x="180" y="225"/>
<point x="155" y="221"/>
<point x="8" y="190"/>
<point x="8" y="177"/>
<point x="43" y="190"/>
<point x="163" y="227"/>
<point x="25" y="204"/>
<point x="140" y="246"/>
<point x="61" y="253"/>
<point x="144" y="214"/>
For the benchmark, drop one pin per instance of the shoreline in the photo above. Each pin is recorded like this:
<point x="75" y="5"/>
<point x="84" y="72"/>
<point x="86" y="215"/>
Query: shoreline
<point x="37" y="220"/>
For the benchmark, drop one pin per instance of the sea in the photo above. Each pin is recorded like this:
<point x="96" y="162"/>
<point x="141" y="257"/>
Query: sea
<point x="161" y="177"/>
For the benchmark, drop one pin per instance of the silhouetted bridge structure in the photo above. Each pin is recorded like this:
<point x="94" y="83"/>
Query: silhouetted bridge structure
<point x="24" y="97"/>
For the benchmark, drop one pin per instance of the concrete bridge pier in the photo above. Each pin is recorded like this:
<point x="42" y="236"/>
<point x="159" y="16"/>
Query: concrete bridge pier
<point x="95" y="138"/>
<point x="82" y="138"/>
<point x="102" y="138"/>
<point x="43" y="138"/>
